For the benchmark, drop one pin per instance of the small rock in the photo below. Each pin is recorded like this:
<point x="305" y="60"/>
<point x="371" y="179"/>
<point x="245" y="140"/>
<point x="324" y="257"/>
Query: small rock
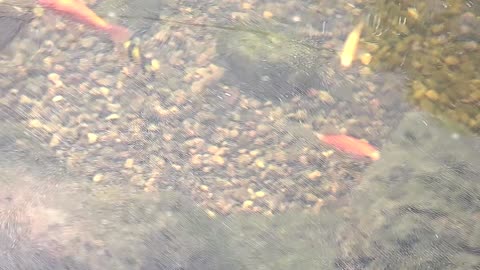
<point x="432" y="95"/>
<point x="57" y="98"/>
<point x="212" y="149"/>
<point x="155" y="64"/>
<point x="244" y="159"/>
<point x="113" y="107"/>
<point x="233" y="133"/>
<point x="128" y="163"/>
<point x="112" y="116"/>
<point x="55" y="141"/>
<point x="204" y="188"/>
<point x="97" y="177"/>
<point x="328" y="153"/>
<point x="260" y="163"/>
<point x="452" y="60"/>
<point x="260" y="194"/>
<point x="218" y="160"/>
<point x="210" y="213"/>
<point x="325" y="96"/>
<point x="25" y="100"/>
<point x="310" y="197"/>
<point x="87" y="42"/>
<point x="196" y="161"/>
<point x="92" y="138"/>
<point x="263" y="129"/>
<point x="314" y="175"/>
<point x="247" y="204"/>
<point x="35" y="123"/>
<point x="267" y="14"/>
<point x="104" y="90"/>
<point x="366" y="58"/>
<point x="246" y="5"/>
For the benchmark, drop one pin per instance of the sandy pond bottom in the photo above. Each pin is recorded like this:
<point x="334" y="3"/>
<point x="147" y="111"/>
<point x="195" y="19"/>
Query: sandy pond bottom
<point x="418" y="207"/>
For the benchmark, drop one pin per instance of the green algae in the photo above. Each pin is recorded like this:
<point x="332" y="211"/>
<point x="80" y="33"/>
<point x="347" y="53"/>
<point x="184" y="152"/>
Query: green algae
<point x="440" y="50"/>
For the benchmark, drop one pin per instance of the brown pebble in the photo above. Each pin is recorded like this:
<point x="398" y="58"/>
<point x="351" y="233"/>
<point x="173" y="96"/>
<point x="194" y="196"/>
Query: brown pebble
<point x="128" y="163"/>
<point x="98" y="177"/>
<point x="218" y="160"/>
<point x="310" y="197"/>
<point x="452" y="60"/>
<point x="432" y="94"/>
<point x="314" y="175"/>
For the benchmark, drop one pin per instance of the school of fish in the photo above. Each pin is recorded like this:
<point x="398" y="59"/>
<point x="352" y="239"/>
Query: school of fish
<point x="77" y="10"/>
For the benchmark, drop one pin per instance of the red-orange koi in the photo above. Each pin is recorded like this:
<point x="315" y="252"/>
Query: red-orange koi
<point x="79" y="11"/>
<point x="350" y="145"/>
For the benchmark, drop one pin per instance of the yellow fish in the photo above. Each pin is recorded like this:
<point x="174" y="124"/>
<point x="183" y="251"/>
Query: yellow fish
<point x="350" y="47"/>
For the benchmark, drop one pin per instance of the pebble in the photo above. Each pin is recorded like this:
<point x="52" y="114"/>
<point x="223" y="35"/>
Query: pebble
<point x="112" y="116"/>
<point x="35" y="123"/>
<point x="318" y="205"/>
<point x="325" y="96"/>
<point x="310" y="197"/>
<point x="55" y="79"/>
<point x="57" y="98"/>
<point x="25" y="100"/>
<point x="196" y="161"/>
<point x="106" y="81"/>
<point x="203" y="188"/>
<point x="92" y="138"/>
<point x="260" y="163"/>
<point x="104" y="90"/>
<point x="87" y="42"/>
<point x="366" y="58"/>
<point x="210" y="213"/>
<point x="314" y="175"/>
<point x="328" y="153"/>
<point x="267" y="14"/>
<point x="432" y="95"/>
<point x="413" y="13"/>
<point x="260" y="194"/>
<point x="452" y="60"/>
<point x="233" y="133"/>
<point x="128" y="163"/>
<point x="113" y="107"/>
<point x="247" y="204"/>
<point x="97" y="177"/>
<point x="155" y="64"/>
<point x="212" y="149"/>
<point x="263" y="129"/>
<point x="218" y="160"/>
<point x="246" y="5"/>
<point x="244" y="159"/>
<point x="55" y="141"/>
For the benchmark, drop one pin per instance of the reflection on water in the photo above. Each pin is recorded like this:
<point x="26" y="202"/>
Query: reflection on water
<point x="194" y="147"/>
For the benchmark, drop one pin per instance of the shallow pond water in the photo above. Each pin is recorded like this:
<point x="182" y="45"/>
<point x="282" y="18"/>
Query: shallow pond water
<point x="200" y="143"/>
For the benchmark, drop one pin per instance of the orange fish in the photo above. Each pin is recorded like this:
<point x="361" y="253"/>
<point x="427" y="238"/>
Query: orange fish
<point x="350" y="145"/>
<point x="78" y="11"/>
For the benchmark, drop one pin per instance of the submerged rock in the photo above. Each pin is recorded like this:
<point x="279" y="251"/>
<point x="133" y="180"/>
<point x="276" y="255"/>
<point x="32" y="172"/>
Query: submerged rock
<point x="275" y="66"/>
<point x="419" y="206"/>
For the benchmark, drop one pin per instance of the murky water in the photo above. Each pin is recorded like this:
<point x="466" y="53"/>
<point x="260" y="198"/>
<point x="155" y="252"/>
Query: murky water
<point x="195" y="145"/>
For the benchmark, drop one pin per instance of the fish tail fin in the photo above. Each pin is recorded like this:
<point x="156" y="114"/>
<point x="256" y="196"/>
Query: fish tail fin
<point x="119" y="34"/>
